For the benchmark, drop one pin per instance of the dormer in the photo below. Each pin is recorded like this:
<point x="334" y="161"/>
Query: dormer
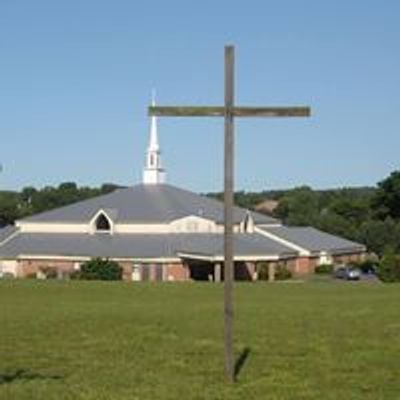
<point x="247" y="225"/>
<point x="102" y="223"/>
<point x="193" y="224"/>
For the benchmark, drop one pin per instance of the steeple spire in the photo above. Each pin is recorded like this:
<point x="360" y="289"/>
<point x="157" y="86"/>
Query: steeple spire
<point x="153" y="144"/>
<point x="153" y="173"/>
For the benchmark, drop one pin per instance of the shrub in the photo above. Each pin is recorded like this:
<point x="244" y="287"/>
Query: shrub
<point x="389" y="268"/>
<point x="75" y="275"/>
<point x="49" y="272"/>
<point x="262" y="271"/>
<point x="324" y="269"/>
<point x="367" y="266"/>
<point x="99" y="269"/>
<point x="282" y="273"/>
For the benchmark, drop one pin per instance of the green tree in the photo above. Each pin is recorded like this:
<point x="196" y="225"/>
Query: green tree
<point x="386" y="202"/>
<point x="353" y="209"/>
<point x="378" y="234"/>
<point x="389" y="269"/>
<point x="336" y="224"/>
<point x="299" y="207"/>
<point x="9" y="210"/>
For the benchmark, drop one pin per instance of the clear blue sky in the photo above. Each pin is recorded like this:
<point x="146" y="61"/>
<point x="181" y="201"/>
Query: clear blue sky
<point x="76" y="78"/>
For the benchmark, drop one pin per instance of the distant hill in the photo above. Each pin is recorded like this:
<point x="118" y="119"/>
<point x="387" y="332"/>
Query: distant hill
<point x="268" y="200"/>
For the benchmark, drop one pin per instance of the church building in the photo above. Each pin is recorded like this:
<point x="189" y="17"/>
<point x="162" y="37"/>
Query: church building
<point x="159" y="232"/>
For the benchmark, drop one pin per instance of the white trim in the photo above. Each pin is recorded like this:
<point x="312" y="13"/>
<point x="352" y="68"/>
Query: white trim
<point x="142" y="228"/>
<point x="34" y="227"/>
<point x="303" y="251"/>
<point x="161" y="260"/>
<point x="236" y="258"/>
<point x="274" y="225"/>
<point x="86" y="258"/>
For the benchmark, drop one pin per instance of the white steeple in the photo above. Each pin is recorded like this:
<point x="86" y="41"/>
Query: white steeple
<point x="153" y="173"/>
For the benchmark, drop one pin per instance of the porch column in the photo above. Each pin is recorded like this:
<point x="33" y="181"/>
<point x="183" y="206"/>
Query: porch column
<point x="217" y="272"/>
<point x="271" y="272"/>
<point x="251" y="270"/>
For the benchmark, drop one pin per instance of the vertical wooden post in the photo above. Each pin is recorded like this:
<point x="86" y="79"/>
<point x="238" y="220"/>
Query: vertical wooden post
<point x="228" y="212"/>
<point x="271" y="271"/>
<point x="229" y="111"/>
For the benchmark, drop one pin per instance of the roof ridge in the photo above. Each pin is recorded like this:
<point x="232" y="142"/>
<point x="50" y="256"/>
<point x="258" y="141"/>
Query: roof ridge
<point x="12" y="235"/>
<point x="161" y="203"/>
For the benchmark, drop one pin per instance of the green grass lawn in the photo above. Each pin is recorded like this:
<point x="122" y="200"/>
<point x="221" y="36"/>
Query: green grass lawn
<point x="93" y="340"/>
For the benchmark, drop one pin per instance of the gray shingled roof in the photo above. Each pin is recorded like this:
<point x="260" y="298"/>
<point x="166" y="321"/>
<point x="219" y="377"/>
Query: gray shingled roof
<point x="6" y="232"/>
<point x="146" y="204"/>
<point x="315" y="240"/>
<point x="137" y="245"/>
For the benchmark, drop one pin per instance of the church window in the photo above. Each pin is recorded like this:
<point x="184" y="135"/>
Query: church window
<point x="102" y="223"/>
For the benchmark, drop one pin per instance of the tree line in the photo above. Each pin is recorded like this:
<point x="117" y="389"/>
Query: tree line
<point x="370" y="215"/>
<point x="29" y="201"/>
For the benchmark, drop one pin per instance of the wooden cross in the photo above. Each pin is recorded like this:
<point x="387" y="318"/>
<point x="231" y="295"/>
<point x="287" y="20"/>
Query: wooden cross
<point x="229" y="111"/>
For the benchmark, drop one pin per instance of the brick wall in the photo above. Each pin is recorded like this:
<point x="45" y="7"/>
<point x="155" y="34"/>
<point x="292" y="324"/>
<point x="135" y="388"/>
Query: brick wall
<point x="29" y="267"/>
<point x="176" y="272"/>
<point x="303" y="265"/>
<point x="126" y="270"/>
<point x="346" y="258"/>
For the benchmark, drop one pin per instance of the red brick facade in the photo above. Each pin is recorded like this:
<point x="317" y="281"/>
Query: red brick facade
<point x="347" y="258"/>
<point x="179" y="272"/>
<point x="28" y="268"/>
<point x="304" y="265"/>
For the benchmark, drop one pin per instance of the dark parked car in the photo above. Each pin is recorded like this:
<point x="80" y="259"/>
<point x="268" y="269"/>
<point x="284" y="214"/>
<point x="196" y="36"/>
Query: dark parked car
<point x="348" y="273"/>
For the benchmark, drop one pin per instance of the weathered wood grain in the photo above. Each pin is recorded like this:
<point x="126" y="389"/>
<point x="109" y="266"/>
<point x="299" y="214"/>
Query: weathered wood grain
<point x="218" y="111"/>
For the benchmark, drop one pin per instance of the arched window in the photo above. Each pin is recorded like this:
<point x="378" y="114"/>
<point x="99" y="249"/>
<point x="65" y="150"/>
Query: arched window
<point x="102" y="223"/>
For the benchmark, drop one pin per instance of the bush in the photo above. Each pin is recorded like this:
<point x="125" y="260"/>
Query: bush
<point x="75" y="275"/>
<point x="99" y="269"/>
<point x="324" y="269"/>
<point x="49" y="272"/>
<point x="389" y="268"/>
<point x="367" y="266"/>
<point x="262" y="271"/>
<point x="282" y="273"/>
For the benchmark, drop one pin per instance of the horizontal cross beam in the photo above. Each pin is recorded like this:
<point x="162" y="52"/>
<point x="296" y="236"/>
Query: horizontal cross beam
<point x="217" y="111"/>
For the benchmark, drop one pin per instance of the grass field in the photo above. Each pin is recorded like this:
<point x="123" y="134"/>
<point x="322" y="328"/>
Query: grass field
<point x="83" y="340"/>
